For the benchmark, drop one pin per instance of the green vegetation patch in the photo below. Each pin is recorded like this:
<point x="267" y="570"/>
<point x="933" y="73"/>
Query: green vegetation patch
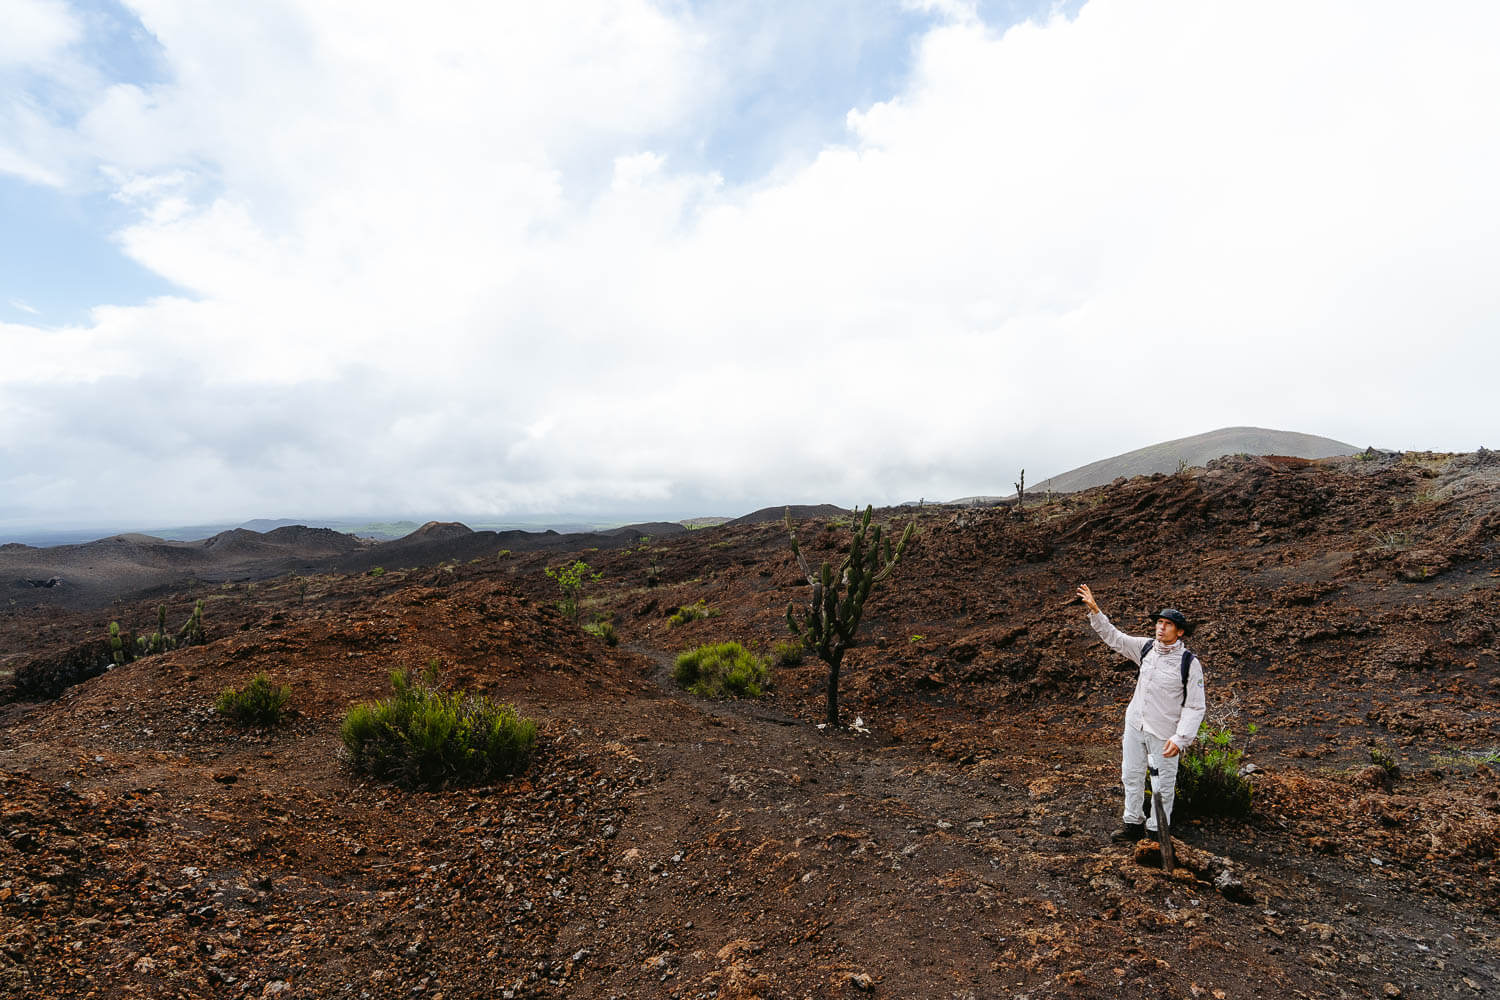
<point x="605" y="631"/>
<point x="788" y="654"/>
<point x="422" y="737"/>
<point x="259" y="703"/>
<point x="1383" y="758"/>
<point x="570" y="581"/>
<point x="690" y="613"/>
<point x="1209" y="782"/>
<point x="1469" y="758"/>
<point x="722" y="670"/>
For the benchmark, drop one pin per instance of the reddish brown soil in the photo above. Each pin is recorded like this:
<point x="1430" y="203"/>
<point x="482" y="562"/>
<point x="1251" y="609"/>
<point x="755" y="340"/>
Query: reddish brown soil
<point x="663" y="845"/>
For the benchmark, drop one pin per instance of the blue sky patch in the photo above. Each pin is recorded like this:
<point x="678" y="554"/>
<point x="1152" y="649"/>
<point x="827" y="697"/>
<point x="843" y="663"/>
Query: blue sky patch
<point x="58" y="260"/>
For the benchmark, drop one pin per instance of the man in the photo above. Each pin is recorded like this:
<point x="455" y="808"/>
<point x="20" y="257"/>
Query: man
<point x="1163" y="716"/>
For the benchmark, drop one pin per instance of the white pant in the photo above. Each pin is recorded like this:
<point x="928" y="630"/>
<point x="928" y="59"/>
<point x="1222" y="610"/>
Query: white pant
<point x="1142" y="750"/>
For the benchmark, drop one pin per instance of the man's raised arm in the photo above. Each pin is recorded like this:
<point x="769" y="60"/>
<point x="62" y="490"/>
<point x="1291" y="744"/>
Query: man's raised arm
<point x="1127" y="646"/>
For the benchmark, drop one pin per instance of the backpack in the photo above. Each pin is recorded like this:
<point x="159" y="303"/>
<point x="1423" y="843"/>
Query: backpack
<point x="1187" y="664"/>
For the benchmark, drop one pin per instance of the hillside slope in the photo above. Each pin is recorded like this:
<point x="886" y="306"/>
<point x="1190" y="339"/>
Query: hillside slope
<point x="664" y="844"/>
<point x="1190" y="452"/>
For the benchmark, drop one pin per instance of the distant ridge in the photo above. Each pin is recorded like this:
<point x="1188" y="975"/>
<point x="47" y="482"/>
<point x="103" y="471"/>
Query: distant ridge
<point x="1200" y="449"/>
<point x="800" y="511"/>
<point x="440" y="541"/>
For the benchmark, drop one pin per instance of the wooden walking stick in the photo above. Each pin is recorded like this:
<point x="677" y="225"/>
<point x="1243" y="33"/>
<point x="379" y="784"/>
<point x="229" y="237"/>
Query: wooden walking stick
<point x="1164" y="833"/>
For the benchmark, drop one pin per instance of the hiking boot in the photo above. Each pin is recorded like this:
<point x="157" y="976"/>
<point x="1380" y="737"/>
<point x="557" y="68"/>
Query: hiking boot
<point x="1129" y="833"/>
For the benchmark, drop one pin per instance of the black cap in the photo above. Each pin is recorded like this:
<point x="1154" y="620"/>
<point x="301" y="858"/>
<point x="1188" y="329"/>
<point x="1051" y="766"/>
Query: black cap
<point x="1175" y="617"/>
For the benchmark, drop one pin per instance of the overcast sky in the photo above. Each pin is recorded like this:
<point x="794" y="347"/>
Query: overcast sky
<point x="315" y="258"/>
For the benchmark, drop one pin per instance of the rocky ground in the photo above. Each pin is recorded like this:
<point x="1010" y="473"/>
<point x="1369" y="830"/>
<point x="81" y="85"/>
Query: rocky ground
<point x="952" y="845"/>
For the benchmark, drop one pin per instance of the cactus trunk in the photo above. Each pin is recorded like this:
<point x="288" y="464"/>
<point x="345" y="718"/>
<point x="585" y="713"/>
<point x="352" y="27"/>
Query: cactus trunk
<point x="832" y="714"/>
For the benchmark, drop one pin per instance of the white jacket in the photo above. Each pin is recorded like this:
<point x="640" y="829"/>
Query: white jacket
<point x="1157" y="706"/>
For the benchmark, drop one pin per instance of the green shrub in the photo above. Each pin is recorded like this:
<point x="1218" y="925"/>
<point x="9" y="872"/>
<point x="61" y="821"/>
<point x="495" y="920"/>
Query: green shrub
<point x="788" y="654"/>
<point x="1209" y="782"/>
<point x="378" y="571"/>
<point x="605" y="631"/>
<point x="690" y="613"/>
<point x="1386" y="761"/>
<point x="571" y="581"/>
<point x="424" y="737"/>
<point x="719" y="670"/>
<point x="258" y="703"/>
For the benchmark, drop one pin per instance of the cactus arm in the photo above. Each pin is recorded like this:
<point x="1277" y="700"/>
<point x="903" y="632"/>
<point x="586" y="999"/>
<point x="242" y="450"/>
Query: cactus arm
<point x="895" y="557"/>
<point x="797" y="549"/>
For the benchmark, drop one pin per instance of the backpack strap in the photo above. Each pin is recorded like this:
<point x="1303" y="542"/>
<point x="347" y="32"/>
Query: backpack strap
<point x="1187" y="665"/>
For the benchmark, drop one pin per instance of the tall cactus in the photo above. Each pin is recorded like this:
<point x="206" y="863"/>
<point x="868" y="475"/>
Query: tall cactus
<point x="828" y="625"/>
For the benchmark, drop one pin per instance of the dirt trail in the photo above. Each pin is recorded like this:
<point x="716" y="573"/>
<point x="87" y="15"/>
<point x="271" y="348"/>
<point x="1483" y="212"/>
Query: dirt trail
<point x="762" y="859"/>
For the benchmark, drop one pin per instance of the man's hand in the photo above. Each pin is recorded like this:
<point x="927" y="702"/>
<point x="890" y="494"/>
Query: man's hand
<point x="1087" y="597"/>
<point x="1170" y="750"/>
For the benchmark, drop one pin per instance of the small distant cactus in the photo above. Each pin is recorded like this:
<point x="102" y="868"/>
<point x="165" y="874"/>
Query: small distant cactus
<point x="124" y="647"/>
<point x="191" y="633"/>
<point x="116" y="645"/>
<point x="160" y="641"/>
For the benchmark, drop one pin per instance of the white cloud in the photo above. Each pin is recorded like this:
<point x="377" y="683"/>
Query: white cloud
<point x="963" y="11"/>
<point x="36" y="31"/>
<point x="454" y="259"/>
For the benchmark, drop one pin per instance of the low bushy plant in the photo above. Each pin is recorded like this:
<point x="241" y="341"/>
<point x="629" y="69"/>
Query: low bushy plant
<point x="1385" y="760"/>
<point x="690" y="613"/>
<point x="605" y="631"/>
<point x="259" y="703"/>
<point x="1209" y="782"/>
<point x="788" y="654"/>
<point x="720" y="670"/>
<point x="421" y="736"/>
<point x="378" y="571"/>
